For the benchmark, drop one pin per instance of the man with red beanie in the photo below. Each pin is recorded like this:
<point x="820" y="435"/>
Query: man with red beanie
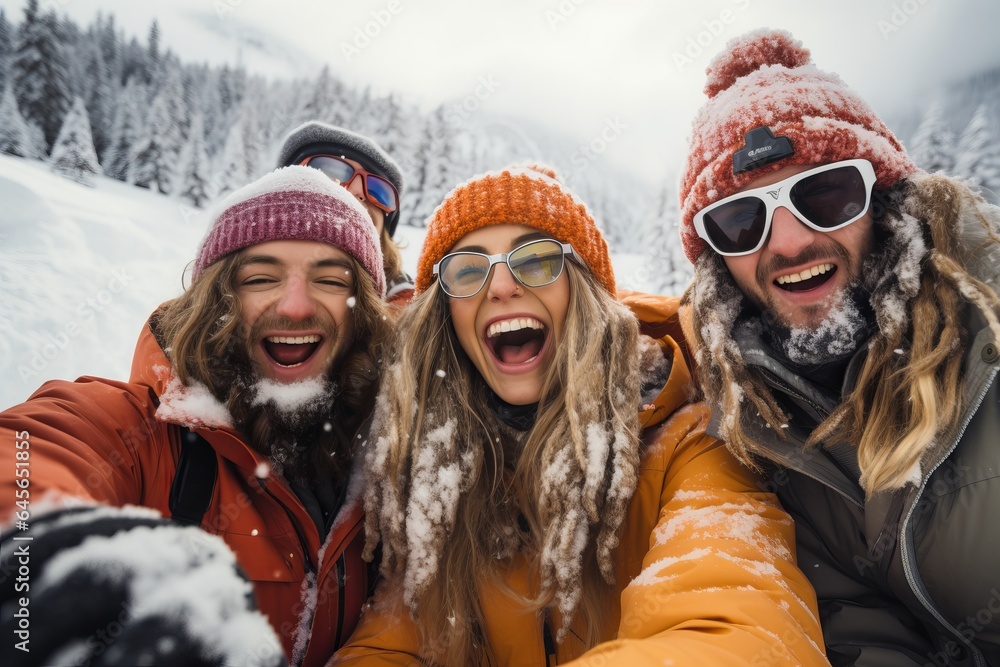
<point x="844" y="315"/>
<point x="239" y="421"/>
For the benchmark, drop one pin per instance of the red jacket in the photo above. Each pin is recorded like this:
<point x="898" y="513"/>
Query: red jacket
<point x="103" y="441"/>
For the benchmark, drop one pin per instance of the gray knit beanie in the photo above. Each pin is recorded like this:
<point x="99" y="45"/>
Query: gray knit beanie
<point x="315" y="137"/>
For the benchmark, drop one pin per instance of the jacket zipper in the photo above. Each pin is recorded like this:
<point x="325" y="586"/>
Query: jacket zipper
<point x="310" y="566"/>
<point x="550" y="644"/>
<point x="777" y="383"/>
<point x="341" y="594"/>
<point x="904" y="550"/>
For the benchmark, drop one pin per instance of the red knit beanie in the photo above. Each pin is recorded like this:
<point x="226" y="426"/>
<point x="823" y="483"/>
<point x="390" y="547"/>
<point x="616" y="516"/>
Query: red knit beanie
<point x="766" y="79"/>
<point x="529" y="195"/>
<point x="293" y="204"/>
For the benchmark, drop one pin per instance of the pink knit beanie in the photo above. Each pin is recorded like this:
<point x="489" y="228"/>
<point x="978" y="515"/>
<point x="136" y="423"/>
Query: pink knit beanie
<point x="293" y="204"/>
<point x="766" y="79"/>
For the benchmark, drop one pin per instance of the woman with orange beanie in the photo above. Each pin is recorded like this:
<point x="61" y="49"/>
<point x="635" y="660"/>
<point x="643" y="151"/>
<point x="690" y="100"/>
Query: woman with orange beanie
<point x="526" y="513"/>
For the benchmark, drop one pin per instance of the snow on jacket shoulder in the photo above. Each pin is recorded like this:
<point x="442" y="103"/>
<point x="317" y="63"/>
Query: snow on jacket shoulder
<point x="706" y="563"/>
<point x="118" y="443"/>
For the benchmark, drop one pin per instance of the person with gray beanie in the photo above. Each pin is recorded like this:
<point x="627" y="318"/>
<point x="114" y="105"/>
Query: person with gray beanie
<point x="344" y="156"/>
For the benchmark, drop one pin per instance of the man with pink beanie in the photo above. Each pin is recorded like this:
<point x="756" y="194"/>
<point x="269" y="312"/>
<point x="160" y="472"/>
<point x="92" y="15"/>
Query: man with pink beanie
<point x="219" y="478"/>
<point x="845" y="320"/>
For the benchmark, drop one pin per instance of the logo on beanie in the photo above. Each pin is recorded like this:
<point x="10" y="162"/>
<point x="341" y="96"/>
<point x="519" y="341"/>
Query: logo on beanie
<point x="761" y="147"/>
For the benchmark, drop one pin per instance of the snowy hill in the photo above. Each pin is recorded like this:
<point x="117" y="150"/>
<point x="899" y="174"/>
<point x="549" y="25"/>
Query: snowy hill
<point x="82" y="268"/>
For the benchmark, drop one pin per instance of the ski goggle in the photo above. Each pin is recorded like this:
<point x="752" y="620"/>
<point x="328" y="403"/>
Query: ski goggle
<point x="535" y="264"/>
<point x="824" y="199"/>
<point x="378" y="190"/>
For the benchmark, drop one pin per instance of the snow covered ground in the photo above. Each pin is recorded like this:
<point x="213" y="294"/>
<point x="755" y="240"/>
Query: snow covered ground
<point x="81" y="268"/>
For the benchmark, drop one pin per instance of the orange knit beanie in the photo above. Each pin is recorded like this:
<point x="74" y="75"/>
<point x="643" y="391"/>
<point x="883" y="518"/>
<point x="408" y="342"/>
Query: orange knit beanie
<point x="531" y="195"/>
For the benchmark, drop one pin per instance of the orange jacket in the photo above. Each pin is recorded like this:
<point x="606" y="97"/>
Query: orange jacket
<point x="706" y="562"/>
<point x="101" y="441"/>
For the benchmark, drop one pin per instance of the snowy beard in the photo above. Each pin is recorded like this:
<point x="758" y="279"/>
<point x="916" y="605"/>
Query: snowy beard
<point x="286" y="422"/>
<point x="295" y="407"/>
<point x="839" y="335"/>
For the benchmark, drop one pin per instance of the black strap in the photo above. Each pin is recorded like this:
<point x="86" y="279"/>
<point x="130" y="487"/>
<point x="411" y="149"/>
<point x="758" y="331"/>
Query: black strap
<point x="194" y="481"/>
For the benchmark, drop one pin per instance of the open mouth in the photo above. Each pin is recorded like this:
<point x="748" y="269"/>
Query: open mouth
<point x="517" y="340"/>
<point x="290" y="351"/>
<point x="807" y="279"/>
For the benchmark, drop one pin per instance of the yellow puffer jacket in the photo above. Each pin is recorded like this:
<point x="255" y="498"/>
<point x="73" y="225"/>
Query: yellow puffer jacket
<point x="706" y="560"/>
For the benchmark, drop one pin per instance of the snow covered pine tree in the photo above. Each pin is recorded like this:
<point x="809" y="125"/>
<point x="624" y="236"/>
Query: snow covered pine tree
<point x="73" y="154"/>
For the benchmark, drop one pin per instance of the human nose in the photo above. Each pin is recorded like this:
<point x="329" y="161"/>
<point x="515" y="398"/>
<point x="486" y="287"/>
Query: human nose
<point x="356" y="186"/>
<point x="789" y="236"/>
<point x="295" y="302"/>
<point x="502" y="283"/>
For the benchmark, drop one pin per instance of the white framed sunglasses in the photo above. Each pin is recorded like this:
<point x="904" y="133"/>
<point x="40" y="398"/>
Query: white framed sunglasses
<point x="825" y="199"/>
<point x="535" y="264"/>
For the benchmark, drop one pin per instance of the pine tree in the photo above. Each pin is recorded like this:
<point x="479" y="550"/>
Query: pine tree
<point x="73" y="153"/>
<point x="154" y="156"/>
<point x="194" y="180"/>
<point x="111" y="51"/>
<point x="6" y="47"/>
<point x="98" y="93"/>
<point x="665" y="269"/>
<point x="251" y="138"/>
<point x="979" y="152"/>
<point x="435" y="172"/>
<point x="933" y="144"/>
<point x="325" y="100"/>
<point x="153" y="53"/>
<point x="233" y="171"/>
<point x="126" y="129"/>
<point x="15" y="137"/>
<point x="41" y="72"/>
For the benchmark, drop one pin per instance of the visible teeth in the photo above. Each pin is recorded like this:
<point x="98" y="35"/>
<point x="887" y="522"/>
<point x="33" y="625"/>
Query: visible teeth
<point x="293" y="340"/>
<point x="513" y="324"/>
<point x="805" y="274"/>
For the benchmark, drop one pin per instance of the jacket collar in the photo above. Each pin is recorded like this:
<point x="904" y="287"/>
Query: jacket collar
<point x="192" y="406"/>
<point x="660" y="320"/>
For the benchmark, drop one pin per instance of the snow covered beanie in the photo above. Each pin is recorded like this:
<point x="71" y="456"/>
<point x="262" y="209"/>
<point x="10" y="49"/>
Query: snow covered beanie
<point x="766" y="79"/>
<point x="293" y="203"/>
<point x="531" y="195"/>
<point x="316" y="138"/>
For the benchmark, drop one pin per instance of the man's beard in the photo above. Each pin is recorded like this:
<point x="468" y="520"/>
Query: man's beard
<point x="847" y="324"/>
<point x="836" y="328"/>
<point x="292" y="424"/>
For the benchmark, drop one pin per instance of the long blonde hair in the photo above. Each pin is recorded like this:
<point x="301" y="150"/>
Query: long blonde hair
<point x="392" y="259"/>
<point x="909" y="389"/>
<point x="440" y="464"/>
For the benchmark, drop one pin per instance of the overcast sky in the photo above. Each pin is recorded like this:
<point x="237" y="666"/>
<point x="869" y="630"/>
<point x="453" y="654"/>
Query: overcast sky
<point x="574" y="65"/>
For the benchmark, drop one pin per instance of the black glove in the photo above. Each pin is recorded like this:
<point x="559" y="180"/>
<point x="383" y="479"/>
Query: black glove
<point x="102" y="586"/>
